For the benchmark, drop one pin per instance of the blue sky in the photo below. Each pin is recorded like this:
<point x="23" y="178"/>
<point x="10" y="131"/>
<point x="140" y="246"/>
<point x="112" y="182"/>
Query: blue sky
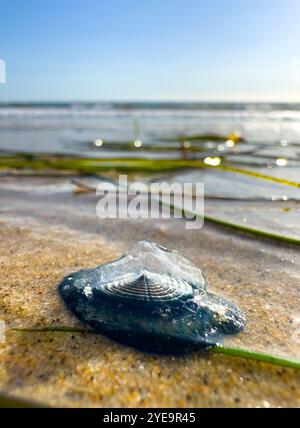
<point x="150" y="49"/>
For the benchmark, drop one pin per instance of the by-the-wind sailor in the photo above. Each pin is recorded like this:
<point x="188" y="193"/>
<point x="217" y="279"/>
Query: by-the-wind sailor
<point x="152" y="298"/>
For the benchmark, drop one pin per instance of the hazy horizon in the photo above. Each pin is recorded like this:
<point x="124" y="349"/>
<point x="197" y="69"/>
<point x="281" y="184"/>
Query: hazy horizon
<point x="149" y="101"/>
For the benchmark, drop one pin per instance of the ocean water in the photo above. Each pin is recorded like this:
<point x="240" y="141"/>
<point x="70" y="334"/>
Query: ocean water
<point x="271" y="146"/>
<point x="273" y="129"/>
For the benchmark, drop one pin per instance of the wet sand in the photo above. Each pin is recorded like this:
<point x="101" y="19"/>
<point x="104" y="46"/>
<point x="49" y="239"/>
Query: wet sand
<point x="47" y="232"/>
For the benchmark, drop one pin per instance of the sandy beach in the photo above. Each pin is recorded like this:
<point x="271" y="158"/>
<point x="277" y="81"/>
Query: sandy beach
<point x="48" y="231"/>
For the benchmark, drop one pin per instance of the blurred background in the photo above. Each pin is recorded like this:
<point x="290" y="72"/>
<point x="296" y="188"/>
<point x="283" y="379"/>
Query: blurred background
<point x="209" y="91"/>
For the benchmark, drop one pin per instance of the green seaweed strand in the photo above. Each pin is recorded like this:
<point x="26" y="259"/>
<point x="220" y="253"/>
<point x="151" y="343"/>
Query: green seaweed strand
<point x="11" y="402"/>
<point x="252" y="231"/>
<point x="239" y="228"/>
<point x="256" y="356"/>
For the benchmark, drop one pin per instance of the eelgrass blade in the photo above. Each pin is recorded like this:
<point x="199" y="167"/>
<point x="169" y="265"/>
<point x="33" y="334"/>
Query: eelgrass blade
<point x="252" y="231"/>
<point x="95" y="165"/>
<point x="256" y="356"/>
<point x="8" y="401"/>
